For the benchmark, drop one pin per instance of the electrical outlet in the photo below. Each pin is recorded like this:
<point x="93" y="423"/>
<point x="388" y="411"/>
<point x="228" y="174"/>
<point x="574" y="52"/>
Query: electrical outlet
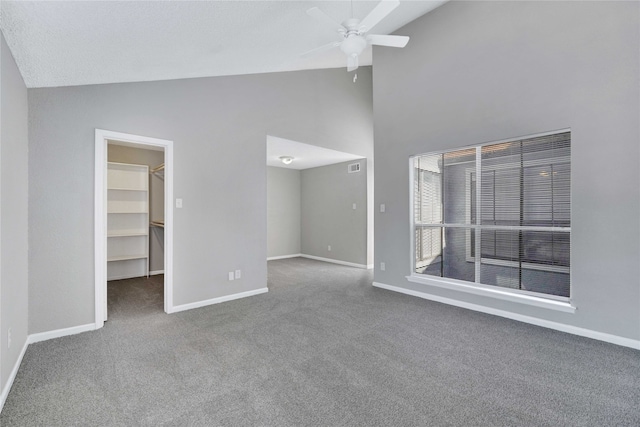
<point x="383" y="208"/>
<point x="179" y="203"/>
<point x="231" y="275"/>
<point x="329" y="248"/>
<point x="383" y="266"/>
<point x="238" y="274"/>
<point x="9" y="338"/>
<point x="354" y="206"/>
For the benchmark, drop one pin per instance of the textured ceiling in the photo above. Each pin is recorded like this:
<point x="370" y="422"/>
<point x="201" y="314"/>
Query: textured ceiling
<point x="305" y="156"/>
<point x="67" y="43"/>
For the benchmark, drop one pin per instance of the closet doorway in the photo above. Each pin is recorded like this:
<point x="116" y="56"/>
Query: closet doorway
<point x="133" y="213"/>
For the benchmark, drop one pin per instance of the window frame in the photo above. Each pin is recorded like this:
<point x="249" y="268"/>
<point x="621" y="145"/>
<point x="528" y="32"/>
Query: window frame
<point x="549" y="301"/>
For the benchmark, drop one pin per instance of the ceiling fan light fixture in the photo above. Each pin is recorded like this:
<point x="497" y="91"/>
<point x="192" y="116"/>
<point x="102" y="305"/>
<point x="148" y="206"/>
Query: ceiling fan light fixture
<point x="287" y="160"/>
<point x="353" y="45"/>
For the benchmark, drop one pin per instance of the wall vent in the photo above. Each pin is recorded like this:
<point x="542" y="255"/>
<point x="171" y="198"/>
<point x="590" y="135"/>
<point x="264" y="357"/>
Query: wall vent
<point x="353" y="168"/>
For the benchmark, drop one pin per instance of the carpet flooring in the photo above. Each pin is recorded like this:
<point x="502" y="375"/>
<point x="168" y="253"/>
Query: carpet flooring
<point x="322" y="348"/>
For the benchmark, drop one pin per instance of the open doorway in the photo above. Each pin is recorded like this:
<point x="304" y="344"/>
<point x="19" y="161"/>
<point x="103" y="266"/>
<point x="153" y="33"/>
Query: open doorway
<point x="133" y="216"/>
<point x="135" y="229"/>
<point x="319" y="204"/>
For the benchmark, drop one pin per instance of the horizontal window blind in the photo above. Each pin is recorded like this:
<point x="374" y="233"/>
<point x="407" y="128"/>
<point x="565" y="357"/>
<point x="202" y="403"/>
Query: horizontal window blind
<point x="510" y="202"/>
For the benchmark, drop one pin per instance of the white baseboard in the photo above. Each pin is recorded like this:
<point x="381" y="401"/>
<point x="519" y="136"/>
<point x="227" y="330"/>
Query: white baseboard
<point x="134" y="276"/>
<point x="125" y="276"/>
<point x="337" y="261"/>
<point x="273" y="258"/>
<point x="218" y="300"/>
<point x="601" y="336"/>
<point x="12" y="376"/>
<point x="43" y="336"/>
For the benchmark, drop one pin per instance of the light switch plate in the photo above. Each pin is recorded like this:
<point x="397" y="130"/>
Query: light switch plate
<point x="178" y="203"/>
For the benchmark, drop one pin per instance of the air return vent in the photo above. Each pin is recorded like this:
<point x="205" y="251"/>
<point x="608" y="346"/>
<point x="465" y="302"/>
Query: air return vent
<point x="353" y="168"/>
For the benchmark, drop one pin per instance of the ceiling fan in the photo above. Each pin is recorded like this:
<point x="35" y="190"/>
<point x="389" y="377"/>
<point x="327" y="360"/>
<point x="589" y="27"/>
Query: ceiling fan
<point x="354" y="32"/>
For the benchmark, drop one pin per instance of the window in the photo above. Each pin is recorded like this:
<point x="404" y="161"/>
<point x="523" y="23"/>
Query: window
<point x="508" y="202"/>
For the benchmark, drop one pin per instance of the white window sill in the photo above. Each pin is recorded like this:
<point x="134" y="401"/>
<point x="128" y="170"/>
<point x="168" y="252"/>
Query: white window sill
<point x="497" y="293"/>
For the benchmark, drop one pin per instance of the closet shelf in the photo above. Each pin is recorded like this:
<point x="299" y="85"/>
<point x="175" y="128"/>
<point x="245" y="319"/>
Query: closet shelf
<point x="126" y="257"/>
<point x="124" y="234"/>
<point x="127" y="212"/>
<point x="126" y="189"/>
<point x="127" y="220"/>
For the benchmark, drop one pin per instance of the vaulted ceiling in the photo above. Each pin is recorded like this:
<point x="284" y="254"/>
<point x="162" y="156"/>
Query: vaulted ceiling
<point x="67" y="43"/>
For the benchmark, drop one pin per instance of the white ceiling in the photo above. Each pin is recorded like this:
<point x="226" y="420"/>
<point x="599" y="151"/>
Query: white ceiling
<point x="305" y="156"/>
<point x="67" y="43"/>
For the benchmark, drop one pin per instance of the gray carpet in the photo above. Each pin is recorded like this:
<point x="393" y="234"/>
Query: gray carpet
<point x="322" y="348"/>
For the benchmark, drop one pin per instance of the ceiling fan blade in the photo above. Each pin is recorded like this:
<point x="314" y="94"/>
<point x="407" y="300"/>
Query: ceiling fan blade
<point x="377" y="14"/>
<point x="325" y="19"/>
<point x="352" y="63"/>
<point x="321" y="49"/>
<point x="391" y="41"/>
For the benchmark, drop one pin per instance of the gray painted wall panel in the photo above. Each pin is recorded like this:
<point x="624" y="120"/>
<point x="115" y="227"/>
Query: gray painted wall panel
<point x="283" y="211"/>
<point x="13" y="212"/>
<point x="476" y="72"/>
<point x="219" y="128"/>
<point x="327" y="218"/>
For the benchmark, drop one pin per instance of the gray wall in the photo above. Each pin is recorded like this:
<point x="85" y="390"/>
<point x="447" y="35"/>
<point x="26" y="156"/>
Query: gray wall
<point x="151" y="158"/>
<point x="283" y="212"/>
<point x="13" y="212"/>
<point x="219" y="127"/>
<point x="483" y="71"/>
<point x="327" y="215"/>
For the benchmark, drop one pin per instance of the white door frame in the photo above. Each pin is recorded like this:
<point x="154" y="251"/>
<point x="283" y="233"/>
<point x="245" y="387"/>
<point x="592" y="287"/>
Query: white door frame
<point x="100" y="215"/>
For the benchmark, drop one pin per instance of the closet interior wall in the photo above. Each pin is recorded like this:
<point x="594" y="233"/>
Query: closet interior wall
<point x="151" y="158"/>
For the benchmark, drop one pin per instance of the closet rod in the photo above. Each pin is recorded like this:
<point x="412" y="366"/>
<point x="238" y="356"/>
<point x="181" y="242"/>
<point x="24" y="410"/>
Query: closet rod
<point x="158" y="168"/>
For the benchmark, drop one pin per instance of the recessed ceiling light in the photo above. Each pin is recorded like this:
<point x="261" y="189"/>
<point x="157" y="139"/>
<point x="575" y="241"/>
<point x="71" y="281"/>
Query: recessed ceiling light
<point x="286" y="159"/>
